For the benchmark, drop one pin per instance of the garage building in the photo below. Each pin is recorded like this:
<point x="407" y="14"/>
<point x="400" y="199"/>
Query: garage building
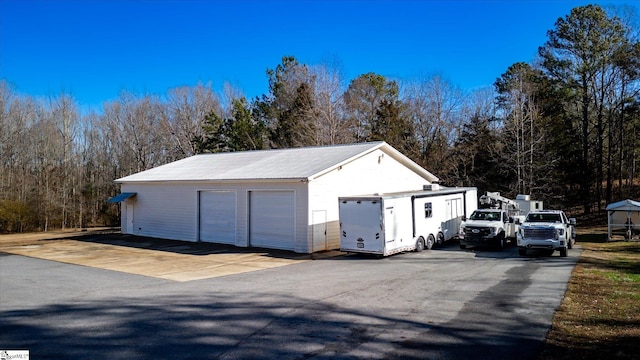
<point x="282" y="199"/>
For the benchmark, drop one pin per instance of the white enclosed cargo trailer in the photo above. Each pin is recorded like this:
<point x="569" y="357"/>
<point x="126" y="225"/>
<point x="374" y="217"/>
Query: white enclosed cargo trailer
<point x="391" y="223"/>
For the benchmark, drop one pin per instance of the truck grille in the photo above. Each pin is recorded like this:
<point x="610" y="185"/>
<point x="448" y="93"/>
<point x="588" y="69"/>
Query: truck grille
<point x="477" y="232"/>
<point x="539" y="233"/>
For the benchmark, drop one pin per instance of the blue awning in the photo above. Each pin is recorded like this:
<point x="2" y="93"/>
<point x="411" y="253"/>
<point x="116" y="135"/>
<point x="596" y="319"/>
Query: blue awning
<point x="121" y="197"/>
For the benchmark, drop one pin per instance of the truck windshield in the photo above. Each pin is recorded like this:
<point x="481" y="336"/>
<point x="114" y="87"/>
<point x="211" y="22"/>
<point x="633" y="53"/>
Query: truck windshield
<point x="485" y="215"/>
<point x="543" y="218"/>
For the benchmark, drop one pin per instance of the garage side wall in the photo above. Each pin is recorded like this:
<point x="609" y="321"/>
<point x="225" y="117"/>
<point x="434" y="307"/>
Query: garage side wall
<point x="376" y="172"/>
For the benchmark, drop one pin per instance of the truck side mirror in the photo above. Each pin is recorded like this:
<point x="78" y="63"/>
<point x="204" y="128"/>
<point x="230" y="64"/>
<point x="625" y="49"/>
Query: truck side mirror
<point x="572" y="221"/>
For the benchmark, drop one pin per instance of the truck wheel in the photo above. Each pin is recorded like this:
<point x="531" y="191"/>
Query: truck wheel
<point x="430" y="242"/>
<point x="522" y="251"/>
<point x="563" y="252"/>
<point x="501" y="240"/>
<point x="440" y="239"/>
<point x="420" y="245"/>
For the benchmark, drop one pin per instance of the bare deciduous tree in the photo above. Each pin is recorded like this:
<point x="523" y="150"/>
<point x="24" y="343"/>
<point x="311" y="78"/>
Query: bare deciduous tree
<point x="184" y="115"/>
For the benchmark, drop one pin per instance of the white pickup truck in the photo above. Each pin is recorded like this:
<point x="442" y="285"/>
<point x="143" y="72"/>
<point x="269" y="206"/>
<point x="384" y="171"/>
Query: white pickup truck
<point x="549" y="230"/>
<point x="488" y="228"/>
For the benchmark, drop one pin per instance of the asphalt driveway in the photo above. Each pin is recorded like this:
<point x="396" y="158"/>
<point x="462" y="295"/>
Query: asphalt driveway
<point x="439" y="304"/>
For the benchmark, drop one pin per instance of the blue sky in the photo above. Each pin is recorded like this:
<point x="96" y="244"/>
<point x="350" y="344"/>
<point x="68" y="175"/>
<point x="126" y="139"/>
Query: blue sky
<point x="93" y="49"/>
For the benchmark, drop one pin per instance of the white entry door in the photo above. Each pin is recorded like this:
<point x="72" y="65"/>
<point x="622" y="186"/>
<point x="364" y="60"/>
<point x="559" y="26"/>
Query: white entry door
<point x="129" y="218"/>
<point x="272" y="219"/>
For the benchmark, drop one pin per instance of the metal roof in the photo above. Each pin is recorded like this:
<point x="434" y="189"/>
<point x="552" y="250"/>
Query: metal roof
<point x="443" y="190"/>
<point x="624" y="205"/>
<point x="280" y="164"/>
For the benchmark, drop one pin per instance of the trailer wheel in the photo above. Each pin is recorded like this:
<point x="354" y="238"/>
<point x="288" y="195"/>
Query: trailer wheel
<point x="420" y="245"/>
<point x="430" y="242"/>
<point x="440" y="239"/>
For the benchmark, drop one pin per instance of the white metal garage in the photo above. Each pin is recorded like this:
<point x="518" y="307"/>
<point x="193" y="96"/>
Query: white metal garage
<point x="282" y="199"/>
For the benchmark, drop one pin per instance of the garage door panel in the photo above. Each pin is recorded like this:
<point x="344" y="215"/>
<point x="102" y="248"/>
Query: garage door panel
<point x="272" y="219"/>
<point x="218" y="217"/>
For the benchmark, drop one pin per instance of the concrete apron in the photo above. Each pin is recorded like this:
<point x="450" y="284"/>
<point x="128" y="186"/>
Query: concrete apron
<point x="170" y="260"/>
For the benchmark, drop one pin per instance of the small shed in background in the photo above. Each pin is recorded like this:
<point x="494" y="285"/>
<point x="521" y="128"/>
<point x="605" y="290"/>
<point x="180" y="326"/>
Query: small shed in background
<point x="624" y="216"/>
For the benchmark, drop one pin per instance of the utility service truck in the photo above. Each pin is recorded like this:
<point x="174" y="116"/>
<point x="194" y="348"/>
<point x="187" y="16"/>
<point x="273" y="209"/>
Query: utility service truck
<point x="496" y="222"/>
<point x="385" y="224"/>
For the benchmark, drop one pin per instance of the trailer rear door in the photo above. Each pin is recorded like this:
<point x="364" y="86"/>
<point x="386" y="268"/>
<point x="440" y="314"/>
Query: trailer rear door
<point x="360" y="226"/>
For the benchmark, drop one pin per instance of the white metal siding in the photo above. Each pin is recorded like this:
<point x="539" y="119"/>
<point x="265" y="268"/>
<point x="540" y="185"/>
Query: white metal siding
<point x="319" y="230"/>
<point x="167" y="211"/>
<point x="272" y="219"/>
<point x="217" y="216"/>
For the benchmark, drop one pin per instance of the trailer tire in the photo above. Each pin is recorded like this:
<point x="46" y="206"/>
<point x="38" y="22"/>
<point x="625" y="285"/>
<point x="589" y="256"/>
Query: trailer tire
<point x="420" y="244"/>
<point x="440" y="239"/>
<point x="430" y="242"/>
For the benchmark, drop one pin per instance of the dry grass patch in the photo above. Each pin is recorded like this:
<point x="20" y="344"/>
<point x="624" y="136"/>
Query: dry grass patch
<point x="600" y="315"/>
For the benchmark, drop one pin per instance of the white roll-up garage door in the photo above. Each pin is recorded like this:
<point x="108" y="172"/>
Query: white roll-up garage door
<point x="218" y="217"/>
<point x="272" y="219"/>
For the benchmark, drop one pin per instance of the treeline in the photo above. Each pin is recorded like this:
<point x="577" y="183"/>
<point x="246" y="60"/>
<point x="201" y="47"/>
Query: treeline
<point x="564" y="129"/>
